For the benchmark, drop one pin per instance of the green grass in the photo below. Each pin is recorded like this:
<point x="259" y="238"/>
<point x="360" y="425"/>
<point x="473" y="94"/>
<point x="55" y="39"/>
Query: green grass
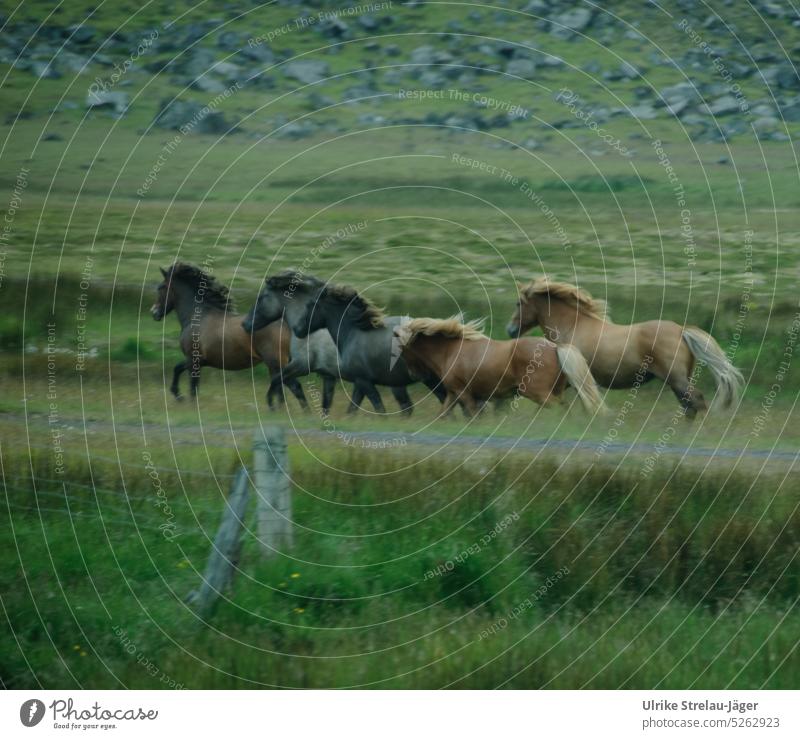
<point x="687" y="580"/>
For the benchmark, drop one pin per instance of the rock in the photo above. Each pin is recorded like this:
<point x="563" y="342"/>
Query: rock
<point x="116" y="101"/>
<point x="393" y="77"/>
<point x="229" y="41"/>
<point x="593" y="67"/>
<point x="317" y="100"/>
<point x="423" y="55"/>
<point x="196" y="63"/>
<point x="524" y="68"/>
<point x="642" y="112"/>
<point x="334" y="28"/>
<point x="536" y="7"/>
<point x="180" y="114"/>
<point x="44" y="70"/>
<point x="763" y="126"/>
<point x="781" y="76"/>
<point x="432" y="79"/>
<point x="682" y="94"/>
<point x="368" y="22"/>
<point x="52" y="137"/>
<point x="296" y="130"/>
<point x="791" y="111"/>
<point x="393" y="50"/>
<point x="725" y="105"/>
<point x="82" y="34"/>
<point x="257" y="53"/>
<point x="206" y="83"/>
<point x="306" y="71"/>
<point x="566" y="25"/>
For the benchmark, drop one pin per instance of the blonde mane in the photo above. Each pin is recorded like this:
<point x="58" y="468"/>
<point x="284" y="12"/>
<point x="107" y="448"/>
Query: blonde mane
<point x="368" y="314"/>
<point x="569" y="294"/>
<point x="448" y="328"/>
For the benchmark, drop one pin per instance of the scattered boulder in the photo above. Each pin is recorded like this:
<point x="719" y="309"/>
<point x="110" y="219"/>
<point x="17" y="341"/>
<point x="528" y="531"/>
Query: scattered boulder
<point x="566" y="25"/>
<point x="229" y="41"/>
<point x="525" y="68"/>
<point x="307" y="71"/>
<point x="725" y="105"/>
<point x="115" y="101"/>
<point x="188" y="116"/>
<point x="44" y="70"/>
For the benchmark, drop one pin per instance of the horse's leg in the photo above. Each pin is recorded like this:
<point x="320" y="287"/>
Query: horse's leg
<point x="195" y="381"/>
<point x="436" y="387"/>
<point x="403" y="400"/>
<point x="447" y="407"/>
<point x="468" y="404"/>
<point x="374" y="397"/>
<point x="180" y="368"/>
<point x="690" y="398"/>
<point x="356" y="398"/>
<point x="297" y="390"/>
<point x="328" y="386"/>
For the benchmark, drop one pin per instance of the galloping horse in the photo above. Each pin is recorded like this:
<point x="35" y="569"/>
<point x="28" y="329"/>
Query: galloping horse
<point x="284" y="296"/>
<point x="364" y="340"/>
<point x="475" y="368"/>
<point x="620" y="355"/>
<point x="211" y="330"/>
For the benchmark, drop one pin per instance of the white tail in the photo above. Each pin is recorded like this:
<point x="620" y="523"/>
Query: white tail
<point x="705" y="349"/>
<point x="574" y="366"/>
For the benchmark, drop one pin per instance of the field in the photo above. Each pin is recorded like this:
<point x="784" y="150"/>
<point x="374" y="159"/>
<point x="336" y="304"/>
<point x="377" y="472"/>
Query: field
<point x="522" y="548"/>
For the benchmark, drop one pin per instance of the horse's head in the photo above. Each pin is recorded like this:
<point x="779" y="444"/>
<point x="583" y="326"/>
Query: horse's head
<point x="524" y="318"/>
<point x="165" y="300"/>
<point x="312" y="317"/>
<point x="268" y="308"/>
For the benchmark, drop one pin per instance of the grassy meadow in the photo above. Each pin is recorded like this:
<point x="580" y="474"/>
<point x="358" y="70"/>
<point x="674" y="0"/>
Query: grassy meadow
<point x="654" y="553"/>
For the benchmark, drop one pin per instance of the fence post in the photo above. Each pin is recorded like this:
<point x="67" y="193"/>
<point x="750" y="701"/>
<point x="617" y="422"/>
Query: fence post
<point x="273" y="490"/>
<point x="226" y="549"/>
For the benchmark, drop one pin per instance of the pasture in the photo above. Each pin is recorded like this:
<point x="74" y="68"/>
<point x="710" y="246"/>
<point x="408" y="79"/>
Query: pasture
<point x="669" y="564"/>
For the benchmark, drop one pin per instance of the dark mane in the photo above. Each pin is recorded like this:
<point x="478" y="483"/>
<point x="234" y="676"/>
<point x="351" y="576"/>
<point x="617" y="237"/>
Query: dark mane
<point x="367" y="314"/>
<point x="215" y="294"/>
<point x="292" y="279"/>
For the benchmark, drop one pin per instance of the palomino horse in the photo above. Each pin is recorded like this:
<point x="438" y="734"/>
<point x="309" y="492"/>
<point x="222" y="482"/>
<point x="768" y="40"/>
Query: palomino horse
<point x="620" y="355"/>
<point x="475" y="368"/>
<point x="211" y="330"/>
<point x="364" y="340"/>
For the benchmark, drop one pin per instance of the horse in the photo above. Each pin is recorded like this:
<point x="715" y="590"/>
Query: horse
<point x="620" y="356"/>
<point x="365" y="343"/>
<point x="211" y="330"/>
<point x="284" y="296"/>
<point x="474" y="368"/>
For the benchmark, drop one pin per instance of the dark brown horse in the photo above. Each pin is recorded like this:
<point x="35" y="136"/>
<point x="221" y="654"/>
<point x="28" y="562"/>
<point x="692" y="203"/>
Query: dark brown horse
<point x="618" y="354"/>
<point x="474" y="368"/>
<point x="211" y="329"/>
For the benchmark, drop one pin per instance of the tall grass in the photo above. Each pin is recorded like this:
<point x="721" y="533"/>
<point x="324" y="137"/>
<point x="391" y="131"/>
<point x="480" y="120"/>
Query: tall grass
<point x="683" y="578"/>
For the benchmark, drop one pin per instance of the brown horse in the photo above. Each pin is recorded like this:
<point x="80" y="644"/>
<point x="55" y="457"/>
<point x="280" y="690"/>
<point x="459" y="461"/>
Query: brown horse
<point x="211" y="329"/>
<point x="474" y="368"/>
<point x="621" y="355"/>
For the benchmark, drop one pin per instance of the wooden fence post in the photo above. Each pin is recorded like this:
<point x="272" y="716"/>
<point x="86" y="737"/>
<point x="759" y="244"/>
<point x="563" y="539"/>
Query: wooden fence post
<point x="273" y="490"/>
<point x="224" y="556"/>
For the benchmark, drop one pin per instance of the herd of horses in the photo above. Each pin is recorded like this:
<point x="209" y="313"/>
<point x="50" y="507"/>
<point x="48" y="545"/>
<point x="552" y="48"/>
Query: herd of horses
<point x="301" y="325"/>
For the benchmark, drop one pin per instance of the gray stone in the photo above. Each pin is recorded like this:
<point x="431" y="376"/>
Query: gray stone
<point x="725" y="105"/>
<point x="116" y="101"/>
<point x="206" y="83"/>
<point x="176" y="114"/>
<point x="306" y="71"/>
<point x="229" y="40"/>
<point x="565" y="25"/>
<point x="524" y="68"/>
<point x="44" y="70"/>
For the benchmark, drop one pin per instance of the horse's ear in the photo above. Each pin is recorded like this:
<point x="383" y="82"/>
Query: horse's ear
<point x="163" y="272"/>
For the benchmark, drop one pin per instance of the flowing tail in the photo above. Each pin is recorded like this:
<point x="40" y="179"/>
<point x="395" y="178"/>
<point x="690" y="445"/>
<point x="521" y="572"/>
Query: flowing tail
<point x="574" y="366"/>
<point x="705" y="349"/>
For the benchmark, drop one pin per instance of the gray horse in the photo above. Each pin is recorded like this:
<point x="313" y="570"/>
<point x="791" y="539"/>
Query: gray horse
<point x="285" y="296"/>
<point x="365" y="341"/>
